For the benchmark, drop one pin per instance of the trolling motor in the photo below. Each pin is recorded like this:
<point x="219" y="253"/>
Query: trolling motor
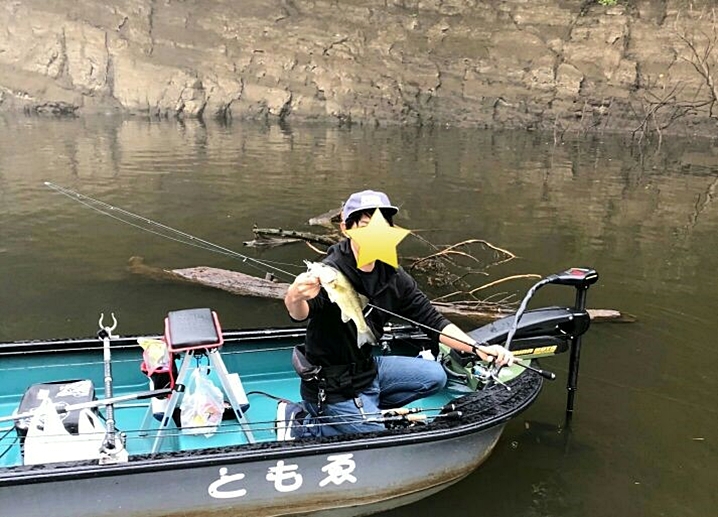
<point x="535" y="333"/>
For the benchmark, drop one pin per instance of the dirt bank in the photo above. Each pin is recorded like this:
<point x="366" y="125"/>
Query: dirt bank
<point x="639" y="66"/>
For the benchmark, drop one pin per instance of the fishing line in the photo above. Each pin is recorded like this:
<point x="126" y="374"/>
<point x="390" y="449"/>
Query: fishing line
<point x="180" y="236"/>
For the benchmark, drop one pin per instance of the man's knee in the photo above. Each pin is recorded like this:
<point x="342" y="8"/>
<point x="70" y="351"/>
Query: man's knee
<point x="436" y="377"/>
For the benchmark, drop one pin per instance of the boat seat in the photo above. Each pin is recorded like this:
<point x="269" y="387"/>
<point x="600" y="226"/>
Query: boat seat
<point x="192" y="329"/>
<point x="197" y="332"/>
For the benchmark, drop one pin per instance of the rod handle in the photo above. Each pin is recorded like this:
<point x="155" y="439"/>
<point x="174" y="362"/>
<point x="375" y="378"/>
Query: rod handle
<point x="546" y="374"/>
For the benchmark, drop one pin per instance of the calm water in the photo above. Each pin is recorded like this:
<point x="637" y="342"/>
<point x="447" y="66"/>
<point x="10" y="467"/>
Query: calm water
<point x="644" y="440"/>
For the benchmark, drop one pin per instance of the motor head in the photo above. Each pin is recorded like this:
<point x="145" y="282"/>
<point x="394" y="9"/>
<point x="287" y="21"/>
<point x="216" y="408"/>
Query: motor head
<point x="579" y="277"/>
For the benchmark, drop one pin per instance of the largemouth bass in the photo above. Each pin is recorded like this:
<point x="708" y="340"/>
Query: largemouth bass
<point x="340" y="291"/>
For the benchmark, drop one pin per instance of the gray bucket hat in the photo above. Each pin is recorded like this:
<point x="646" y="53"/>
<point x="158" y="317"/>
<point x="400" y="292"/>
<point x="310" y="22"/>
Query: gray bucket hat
<point x="367" y="200"/>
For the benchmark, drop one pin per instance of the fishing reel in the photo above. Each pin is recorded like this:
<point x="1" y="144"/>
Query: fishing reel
<point x="488" y="376"/>
<point x="480" y="375"/>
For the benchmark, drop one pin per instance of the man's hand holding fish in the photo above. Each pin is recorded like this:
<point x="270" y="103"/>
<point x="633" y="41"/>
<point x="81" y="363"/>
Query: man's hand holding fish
<point x="305" y="287"/>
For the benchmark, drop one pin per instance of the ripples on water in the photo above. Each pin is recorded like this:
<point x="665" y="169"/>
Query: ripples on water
<point x="645" y="429"/>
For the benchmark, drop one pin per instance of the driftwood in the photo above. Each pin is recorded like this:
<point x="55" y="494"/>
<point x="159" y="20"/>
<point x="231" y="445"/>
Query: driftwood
<point x="328" y="219"/>
<point x="294" y="235"/>
<point x="137" y="266"/>
<point x="268" y="242"/>
<point x="482" y="315"/>
<point x="232" y="281"/>
<point x="248" y="285"/>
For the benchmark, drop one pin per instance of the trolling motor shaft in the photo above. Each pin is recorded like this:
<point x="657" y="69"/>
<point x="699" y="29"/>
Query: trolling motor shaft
<point x="589" y="278"/>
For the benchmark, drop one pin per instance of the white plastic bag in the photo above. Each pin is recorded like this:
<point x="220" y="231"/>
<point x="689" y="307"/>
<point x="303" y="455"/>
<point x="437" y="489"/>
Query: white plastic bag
<point x="202" y="406"/>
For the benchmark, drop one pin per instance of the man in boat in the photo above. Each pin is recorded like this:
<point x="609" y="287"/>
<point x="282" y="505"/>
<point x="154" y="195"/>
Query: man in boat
<point x="348" y="385"/>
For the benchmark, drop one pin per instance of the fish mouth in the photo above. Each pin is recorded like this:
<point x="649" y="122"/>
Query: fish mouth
<point x="326" y="274"/>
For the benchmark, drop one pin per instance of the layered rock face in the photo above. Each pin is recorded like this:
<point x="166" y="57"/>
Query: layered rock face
<point x="541" y="64"/>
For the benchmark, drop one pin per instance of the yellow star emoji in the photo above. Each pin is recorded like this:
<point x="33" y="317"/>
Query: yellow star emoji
<point x="378" y="241"/>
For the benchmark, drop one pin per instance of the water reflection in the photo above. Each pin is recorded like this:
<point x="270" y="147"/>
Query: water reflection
<point x="646" y="423"/>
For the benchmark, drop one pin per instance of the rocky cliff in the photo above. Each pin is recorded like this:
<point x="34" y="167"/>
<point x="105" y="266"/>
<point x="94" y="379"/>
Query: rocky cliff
<point x="640" y="66"/>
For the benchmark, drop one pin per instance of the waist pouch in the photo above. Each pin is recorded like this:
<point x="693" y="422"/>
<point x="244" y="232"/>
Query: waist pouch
<point x="306" y="370"/>
<point x="338" y="382"/>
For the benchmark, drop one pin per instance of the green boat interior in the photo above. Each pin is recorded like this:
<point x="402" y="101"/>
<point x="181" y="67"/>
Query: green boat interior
<point x="259" y="374"/>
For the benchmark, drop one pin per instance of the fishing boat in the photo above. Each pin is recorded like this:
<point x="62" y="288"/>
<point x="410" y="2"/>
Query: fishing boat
<point x="100" y="427"/>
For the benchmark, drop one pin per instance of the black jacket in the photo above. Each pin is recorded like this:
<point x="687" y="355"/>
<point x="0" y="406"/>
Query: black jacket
<point x="332" y="344"/>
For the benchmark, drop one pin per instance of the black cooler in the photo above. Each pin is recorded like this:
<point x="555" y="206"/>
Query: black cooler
<point x="62" y="394"/>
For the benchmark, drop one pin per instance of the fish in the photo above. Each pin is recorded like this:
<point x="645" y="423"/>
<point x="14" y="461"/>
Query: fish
<point x="340" y="291"/>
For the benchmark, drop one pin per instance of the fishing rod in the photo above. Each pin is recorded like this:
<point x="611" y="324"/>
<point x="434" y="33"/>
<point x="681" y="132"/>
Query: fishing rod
<point x="65" y="408"/>
<point x="172" y="233"/>
<point x="451" y="407"/>
<point x="402" y="415"/>
<point x="473" y="344"/>
<point x="408" y="418"/>
<point x="186" y="238"/>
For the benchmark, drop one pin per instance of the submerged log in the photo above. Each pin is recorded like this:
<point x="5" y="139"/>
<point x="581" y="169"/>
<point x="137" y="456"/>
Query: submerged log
<point x="248" y="285"/>
<point x="231" y="281"/>
<point x="137" y="266"/>
<point x="234" y="282"/>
